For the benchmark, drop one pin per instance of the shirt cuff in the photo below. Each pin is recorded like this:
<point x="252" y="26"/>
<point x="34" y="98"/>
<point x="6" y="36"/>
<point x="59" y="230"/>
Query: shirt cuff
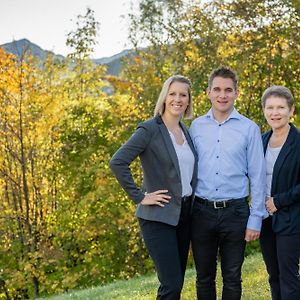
<point x="254" y="223"/>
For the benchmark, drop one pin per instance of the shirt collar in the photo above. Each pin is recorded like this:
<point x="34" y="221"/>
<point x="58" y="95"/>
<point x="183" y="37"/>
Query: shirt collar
<point x="233" y="115"/>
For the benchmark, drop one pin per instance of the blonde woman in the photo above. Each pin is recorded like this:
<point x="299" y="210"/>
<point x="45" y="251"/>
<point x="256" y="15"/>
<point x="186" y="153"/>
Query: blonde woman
<point x="169" y="166"/>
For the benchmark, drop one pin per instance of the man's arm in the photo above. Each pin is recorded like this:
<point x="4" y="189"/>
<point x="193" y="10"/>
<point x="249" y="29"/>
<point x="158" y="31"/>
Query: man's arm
<point x="257" y="177"/>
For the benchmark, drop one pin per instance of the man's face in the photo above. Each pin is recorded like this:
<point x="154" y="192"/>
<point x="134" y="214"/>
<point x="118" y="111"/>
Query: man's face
<point x="222" y="95"/>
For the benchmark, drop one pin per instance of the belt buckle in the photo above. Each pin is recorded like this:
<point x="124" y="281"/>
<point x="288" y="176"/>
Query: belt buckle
<point x="218" y="206"/>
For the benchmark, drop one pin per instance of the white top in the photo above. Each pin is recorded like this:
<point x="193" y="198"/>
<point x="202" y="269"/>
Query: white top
<point x="186" y="162"/>
<point x="270" y="157"/>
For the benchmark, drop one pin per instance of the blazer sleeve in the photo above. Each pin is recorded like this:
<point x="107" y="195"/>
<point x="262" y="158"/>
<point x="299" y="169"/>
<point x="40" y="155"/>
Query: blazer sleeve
<point x="121" y="160"/>
<point x="291" y="195"/>
<point x="287" y="198"/>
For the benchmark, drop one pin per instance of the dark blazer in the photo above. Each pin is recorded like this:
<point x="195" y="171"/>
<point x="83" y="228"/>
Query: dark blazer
<point x="152" y="143"/>
<point x="285" y="187"/>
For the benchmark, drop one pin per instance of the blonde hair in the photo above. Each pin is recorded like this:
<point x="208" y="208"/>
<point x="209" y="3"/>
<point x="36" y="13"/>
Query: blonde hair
<point x="160" y="104"/>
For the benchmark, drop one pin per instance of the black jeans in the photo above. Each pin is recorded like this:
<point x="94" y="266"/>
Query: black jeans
<point x="219" y="231"/>
<point x="168" y="247"/>
<point x="281" y="254"/>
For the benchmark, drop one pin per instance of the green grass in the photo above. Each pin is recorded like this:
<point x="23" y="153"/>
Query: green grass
<point x="255" y="286"/>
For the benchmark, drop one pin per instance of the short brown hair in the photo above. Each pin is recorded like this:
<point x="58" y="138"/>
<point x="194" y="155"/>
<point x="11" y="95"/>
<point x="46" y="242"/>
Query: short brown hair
<point x="223" y="72"/>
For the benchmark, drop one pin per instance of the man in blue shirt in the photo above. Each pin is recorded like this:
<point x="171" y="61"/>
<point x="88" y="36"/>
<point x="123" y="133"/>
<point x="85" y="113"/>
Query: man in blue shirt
<point x="230" y="160"/>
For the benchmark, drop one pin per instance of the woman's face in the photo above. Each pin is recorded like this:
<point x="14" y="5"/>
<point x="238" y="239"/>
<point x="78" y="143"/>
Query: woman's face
<point x="277" y="112"/>
<point x="177" y="99"/>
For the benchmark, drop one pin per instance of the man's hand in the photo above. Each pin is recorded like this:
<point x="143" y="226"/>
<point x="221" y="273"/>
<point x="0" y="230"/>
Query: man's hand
<point x="156" y="198"/>
<point x="251" y="235"/>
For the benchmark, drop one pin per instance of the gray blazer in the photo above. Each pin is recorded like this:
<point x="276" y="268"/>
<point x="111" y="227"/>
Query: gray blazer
<point x="152" y="143"/>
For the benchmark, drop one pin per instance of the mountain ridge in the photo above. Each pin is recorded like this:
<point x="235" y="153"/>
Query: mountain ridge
<point x="18" y="47"/>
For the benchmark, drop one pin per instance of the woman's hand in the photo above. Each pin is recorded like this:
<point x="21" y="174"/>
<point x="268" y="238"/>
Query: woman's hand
<point x="156" y="198"/>
<point x="271" y="208"/>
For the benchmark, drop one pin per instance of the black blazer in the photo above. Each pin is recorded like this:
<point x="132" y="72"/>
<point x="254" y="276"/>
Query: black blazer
<point x="152" y="143"/>
<point x="285" y="187"/>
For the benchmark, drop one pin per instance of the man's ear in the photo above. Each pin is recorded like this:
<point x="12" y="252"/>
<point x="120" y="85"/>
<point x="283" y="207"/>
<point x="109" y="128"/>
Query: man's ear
<point x="207" y="91"/>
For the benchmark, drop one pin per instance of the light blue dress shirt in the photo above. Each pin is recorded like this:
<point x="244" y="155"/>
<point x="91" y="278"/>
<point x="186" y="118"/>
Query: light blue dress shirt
<point x="229" y="155"/>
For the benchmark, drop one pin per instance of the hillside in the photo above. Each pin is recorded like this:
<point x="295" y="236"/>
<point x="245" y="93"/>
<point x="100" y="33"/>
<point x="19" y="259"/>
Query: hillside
<point x="113" y="63"/>
<point x="255" y="286"/>
<point x="20" y="46"/>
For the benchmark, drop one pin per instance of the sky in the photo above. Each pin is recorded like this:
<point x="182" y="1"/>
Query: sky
<point x="47" y="22"/>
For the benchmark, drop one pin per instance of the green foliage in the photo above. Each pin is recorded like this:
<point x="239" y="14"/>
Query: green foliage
<point x="259" y="39"/>
<point x="83" y="38"/>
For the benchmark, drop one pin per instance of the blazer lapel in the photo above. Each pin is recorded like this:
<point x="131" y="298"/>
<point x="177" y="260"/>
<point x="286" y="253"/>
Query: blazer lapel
<point x="166" y="136"/>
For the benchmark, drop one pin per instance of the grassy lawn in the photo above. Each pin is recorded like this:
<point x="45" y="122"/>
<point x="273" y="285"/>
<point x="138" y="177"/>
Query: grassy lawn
<point x="255" y="286"/>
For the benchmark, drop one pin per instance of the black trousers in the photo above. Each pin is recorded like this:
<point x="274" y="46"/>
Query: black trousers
<point x="219" y="231"/>
<point x="168" y="247"/>
<point x="281" y="254"/>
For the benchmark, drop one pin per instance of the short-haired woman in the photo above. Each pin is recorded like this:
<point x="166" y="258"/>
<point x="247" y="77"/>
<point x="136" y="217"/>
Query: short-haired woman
<point x="280" y="235"/>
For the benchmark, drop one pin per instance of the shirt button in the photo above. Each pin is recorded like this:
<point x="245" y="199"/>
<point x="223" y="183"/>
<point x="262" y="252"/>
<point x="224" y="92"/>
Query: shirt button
<point x="218" y="141"/>
<point x="216" y="189"/>
<point x="217" y="156"/>
<point x="217" y="173"/>
<point x="219" y="125"/>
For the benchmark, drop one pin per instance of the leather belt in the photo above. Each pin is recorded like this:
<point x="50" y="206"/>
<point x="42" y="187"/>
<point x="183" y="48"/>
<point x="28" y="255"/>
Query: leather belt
<point x="219" y="204"/>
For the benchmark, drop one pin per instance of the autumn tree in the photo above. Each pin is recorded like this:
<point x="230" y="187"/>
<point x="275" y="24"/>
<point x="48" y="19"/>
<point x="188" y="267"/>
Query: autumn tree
<point x="27" y="127"/>
<point x="94" y="223"/>
<point x="259" y="39"/>
<point x="262" y="44"/>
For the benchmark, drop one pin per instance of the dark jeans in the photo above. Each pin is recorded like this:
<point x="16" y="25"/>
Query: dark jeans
<point x="219" y="231"/>
<point x="281" y="254"/>
<point x="168" y="247"/>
